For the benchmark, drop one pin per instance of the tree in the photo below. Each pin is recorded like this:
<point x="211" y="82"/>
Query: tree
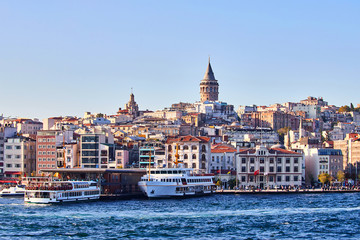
<point x="282" y="132"/>
<point x="345" y="108"/>
<point x="99" y="115"/>
<point x="324" y="178"/>
<point x="340" y="176"/>
<point x="232" y="183"/>
<point x="352" y="107"/>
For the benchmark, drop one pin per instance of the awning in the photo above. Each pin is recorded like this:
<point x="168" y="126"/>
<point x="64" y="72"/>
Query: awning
<point x="14" y="173"/>
<point x="7" y="181"/>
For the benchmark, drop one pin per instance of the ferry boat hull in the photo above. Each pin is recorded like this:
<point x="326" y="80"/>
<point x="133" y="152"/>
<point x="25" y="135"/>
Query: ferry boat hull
<point x="171" y="191"/>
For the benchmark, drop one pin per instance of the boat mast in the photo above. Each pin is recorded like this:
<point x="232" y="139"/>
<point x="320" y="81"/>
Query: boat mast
<point x="149" y="163"/>
<point x="177" y="155"/>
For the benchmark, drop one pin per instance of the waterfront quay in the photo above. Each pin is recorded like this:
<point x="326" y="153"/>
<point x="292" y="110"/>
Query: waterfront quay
<point x="292" y="191"/>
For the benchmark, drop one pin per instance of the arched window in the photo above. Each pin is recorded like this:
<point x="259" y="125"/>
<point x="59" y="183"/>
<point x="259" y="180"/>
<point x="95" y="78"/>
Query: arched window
<point x="186" y="147"/>
<point x="169" y="148"/>
<point x="207" y="89"/>
<point x="203" y="165"/>
<point x="203" y="148"/>
<point x="194" y="165"/>
<point x="203" y="157"/>
<point x="211" y="89"/>
<point x="169" y="157"/>
<point x="193" y="147"/>
<point x="185" y="156"/>
<point x="185" y="165"/>
<point x="194" y="156"/>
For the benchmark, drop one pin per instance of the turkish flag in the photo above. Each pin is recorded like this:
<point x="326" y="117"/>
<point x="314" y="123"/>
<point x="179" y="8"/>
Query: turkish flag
<point x="256" y="172"/>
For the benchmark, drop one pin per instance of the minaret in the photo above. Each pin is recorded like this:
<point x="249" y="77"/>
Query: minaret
<point x="209" y="86"/>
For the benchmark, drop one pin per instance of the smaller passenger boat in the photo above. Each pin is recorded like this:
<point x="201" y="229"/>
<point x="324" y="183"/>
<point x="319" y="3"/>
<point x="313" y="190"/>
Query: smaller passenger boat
<point x="62" y="191"/>
<point x="17" y="191"/>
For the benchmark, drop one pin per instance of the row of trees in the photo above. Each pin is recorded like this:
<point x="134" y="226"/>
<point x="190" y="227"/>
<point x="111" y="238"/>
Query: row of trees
<point x="350" y="108"/>
<point x="326" y="178"/>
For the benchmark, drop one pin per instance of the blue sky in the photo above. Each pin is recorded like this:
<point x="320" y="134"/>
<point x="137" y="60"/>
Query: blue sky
<point x="68" y="57"/>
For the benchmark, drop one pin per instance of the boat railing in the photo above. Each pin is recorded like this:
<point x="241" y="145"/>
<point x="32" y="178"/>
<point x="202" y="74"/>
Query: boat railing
<point x="49" y="188"/>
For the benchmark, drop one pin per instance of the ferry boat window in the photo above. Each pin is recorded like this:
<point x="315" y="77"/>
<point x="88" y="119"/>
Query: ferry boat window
<point x="163" y="172"/>
<point x="157" y="172"/>
<point x="152" y="172"/>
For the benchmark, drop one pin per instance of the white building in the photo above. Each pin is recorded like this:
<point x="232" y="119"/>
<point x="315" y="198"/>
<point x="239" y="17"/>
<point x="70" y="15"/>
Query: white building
<point x="19" y="157"/>
<point x="269" y="167"/>
<point x="318" y="161"/>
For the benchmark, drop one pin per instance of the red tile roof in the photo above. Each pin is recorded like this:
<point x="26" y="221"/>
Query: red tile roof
<point x="188" y="138"/>
<point x="222" y="148"/>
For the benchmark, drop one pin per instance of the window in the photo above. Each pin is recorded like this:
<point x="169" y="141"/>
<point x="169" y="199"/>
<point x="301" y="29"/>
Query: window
<point x="252" y="160"/>
<point x="8" y="147"/>
<point x="271" y="169"/>
<point x="243" y="160"/>
<point x="213" y="158"/>
<point x="261" y="178"/>
<point x="287" y="169"/>
<point x="296" y="160"/>
<point x="9" y="165"/>
<point x="243" y="178"/>
<point x="251" y="178"/>
<point x="8" y="156"/>
<point x="278" y="179"/>
<point x="17" y="156"/>
<point x="186" y="147"/>
<point x="193" y="147"/>
<point x="261" y="169"/>
<point x="194" y="156"/>
<point x="279" y="169"/>
<point x="271" y="160"/>
<point x="251" y="169"/>
<point x="287" y="178"/>
<point x="262" y="160"/>
<point x="18" y="147"/>
<point x="287" y="160"/>
<point x="17" y="165"/>
<point x="185" y="156"/>
<point x="296" y="178"/>
<point x="296" y="168"/>
<point x="279" y="160"/>
<point x="271" y="178"/>
<point x="243" y="169"/>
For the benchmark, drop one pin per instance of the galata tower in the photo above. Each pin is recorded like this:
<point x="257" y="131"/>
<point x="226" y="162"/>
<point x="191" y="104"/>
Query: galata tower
<point x="209" y="86"/>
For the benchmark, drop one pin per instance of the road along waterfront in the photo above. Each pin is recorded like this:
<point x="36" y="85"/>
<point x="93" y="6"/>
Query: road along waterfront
<point x="256" y="216"/>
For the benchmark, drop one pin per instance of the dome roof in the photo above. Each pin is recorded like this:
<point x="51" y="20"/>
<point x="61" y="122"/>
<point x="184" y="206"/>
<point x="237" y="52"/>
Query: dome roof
<point x="278" y="146"/>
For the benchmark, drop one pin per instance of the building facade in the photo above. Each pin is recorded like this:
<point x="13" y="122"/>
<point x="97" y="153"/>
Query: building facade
<point x="269" y="168"/>
<point x="193" y="152"/>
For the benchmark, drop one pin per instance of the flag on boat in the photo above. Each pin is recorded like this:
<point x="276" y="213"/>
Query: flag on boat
<point x="229" y="172"/>
<point x="256" y="172"/>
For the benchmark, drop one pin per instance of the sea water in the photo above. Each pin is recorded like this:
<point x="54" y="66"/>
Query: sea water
<point x="258" y="216"/>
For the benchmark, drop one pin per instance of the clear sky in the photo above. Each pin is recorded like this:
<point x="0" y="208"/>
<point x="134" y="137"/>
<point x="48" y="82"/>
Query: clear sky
<point x="68" y="57"/>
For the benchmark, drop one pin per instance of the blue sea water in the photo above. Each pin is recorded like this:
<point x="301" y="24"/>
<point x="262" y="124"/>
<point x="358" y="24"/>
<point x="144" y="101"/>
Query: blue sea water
<point x="292" y="216"/>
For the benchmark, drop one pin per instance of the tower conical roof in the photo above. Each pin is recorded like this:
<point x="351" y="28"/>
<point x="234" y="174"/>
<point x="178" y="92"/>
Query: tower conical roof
<point x="209" y="74"/>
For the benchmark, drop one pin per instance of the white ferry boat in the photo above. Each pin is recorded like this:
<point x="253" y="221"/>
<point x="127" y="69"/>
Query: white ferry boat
<point x="17" y="191"/>
<point x="61" y="191"/>
<point x="176" y="182"/>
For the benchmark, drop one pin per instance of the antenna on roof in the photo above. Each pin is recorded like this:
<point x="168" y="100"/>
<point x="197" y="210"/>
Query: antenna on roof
<point x="260" y="130"/>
